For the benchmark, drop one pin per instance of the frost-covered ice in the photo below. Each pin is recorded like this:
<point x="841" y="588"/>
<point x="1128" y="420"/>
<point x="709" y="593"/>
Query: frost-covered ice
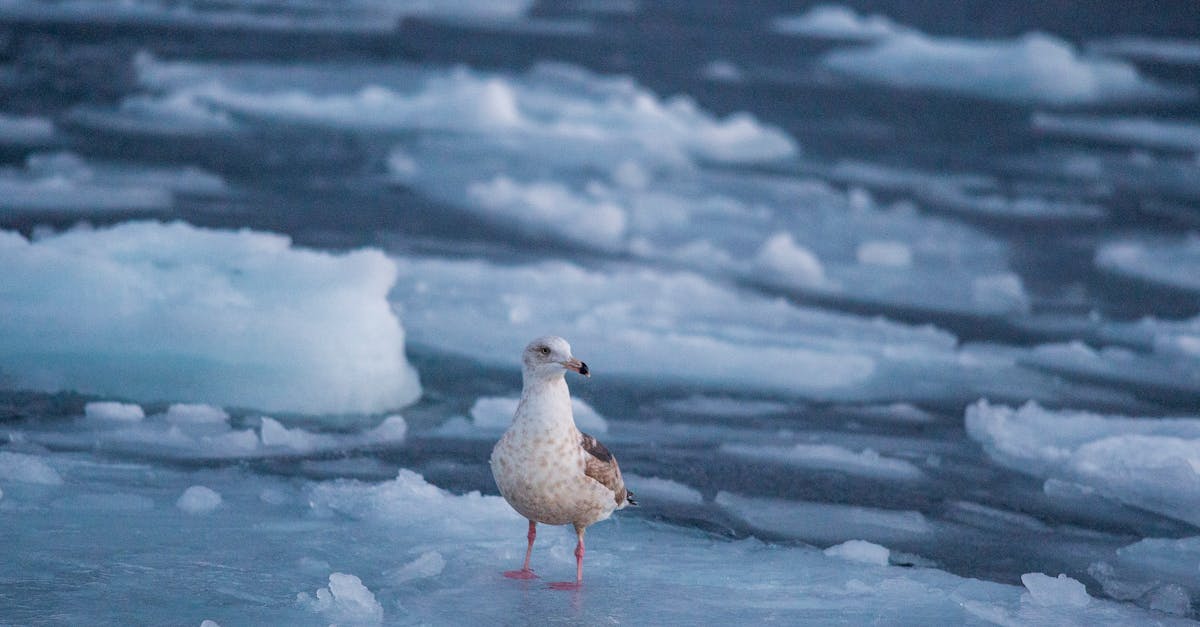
<point x="173" y="312"/>
<point x="199" y="499"/>
<point x="865" y="463"/>
<point x="1169" y="263"/>
<point x="1142" y="132"/>
<point x="1061" y="590"/>
<point x="1035" y="67"/>
<point x="860" y="551"/>
<point x="832" y="21"/>
<point x="1150" y="463"/>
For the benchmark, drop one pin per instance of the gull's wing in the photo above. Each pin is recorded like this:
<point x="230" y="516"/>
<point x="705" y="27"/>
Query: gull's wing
<point x="602" y="466"/>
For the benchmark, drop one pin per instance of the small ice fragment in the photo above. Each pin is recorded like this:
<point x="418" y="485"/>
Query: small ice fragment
<point x="198" y="500"/>
<point x="209" y="623"/>
<point x="346" y="600"/>
<point x="275" y="434"/>
<point x="392" y="429"/>
<point x="112" y="410"/>
<point x="195" y="414"/>
<point x="429" y="564"/>
<point x="860" y="551"/>
<point x="1046" y="590"/>
<point x="24" y="468"/>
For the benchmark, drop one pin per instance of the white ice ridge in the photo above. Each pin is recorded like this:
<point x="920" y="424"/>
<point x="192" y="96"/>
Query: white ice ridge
<point x="152" y="311"/>
<point x="1149" y="463"/>
<point x="1035" y="67"/>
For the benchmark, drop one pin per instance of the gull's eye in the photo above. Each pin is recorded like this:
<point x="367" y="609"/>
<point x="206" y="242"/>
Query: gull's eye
<point x="545" y="350"/>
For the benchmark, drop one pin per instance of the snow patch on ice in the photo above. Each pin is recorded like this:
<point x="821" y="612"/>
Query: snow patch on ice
<point x="345" y="601"/>
<point x="860" y="551"/>
<point x="1149" y="463"/>
<point x="23" y="468"/>
<point x="112" y="410"/>
<point x="198" y="499"/>
<point x="170" y="311"/>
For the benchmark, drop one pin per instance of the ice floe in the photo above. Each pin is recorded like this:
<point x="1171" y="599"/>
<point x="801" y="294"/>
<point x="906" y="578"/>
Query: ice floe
<point x="1168" y="263"/>
<point x="1144" y="132"/>
<point x="1158" y="573"/>
<point x="1032" y="68"/>
<point x="199" y="499"/>
<point x="155" y="311"/>
<point x="865" y="463"/>
<point x="18" y="130"/>
<point x="1184" y="52"/>
<point x="25" y="468"/>
<point x="1150" y="463"/>
<point x="833" y="21"/>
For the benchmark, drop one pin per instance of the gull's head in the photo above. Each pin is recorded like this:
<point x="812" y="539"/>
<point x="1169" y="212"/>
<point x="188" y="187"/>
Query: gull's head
<point x="550" y="356"/>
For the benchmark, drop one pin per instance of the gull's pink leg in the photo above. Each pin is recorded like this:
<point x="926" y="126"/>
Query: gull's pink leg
<point x="578" y="583"/>
<point x="525" y="572"/>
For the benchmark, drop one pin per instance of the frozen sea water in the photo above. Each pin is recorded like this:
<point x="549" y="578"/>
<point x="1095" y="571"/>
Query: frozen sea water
<point x="891" y="313"/>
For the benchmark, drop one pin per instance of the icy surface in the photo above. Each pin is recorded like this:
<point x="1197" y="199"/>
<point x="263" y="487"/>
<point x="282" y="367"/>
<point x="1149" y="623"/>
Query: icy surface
<point x="23" y="468"/>
<point x="1143" y="132"/>
<point x="865" y="463"/>
<point x="174" y="312"/>
<point x="1175" y="51"/>
<point x="1172" y="263"/>
<point x="1150" y="463"/>
<point x="834" y="21"/>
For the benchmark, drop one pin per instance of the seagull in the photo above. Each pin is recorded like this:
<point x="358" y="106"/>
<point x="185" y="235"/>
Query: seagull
<point x="548" y="470"/>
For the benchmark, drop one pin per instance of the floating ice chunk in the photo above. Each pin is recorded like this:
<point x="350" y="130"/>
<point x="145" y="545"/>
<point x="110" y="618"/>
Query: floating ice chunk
<point x="1129" y="131"/>
<point x="172" y="311"/>
<point x="825" y="522"/>
<point x="796" y="264"/>
<point x="196" y="413"/>
<point x="551" y="207"/>
<point x="429" y="564"/>
<point x="275" y="434"/>
<point x="393" y="429"/>
<point x="1035" y="67"/>
<point x="722" y="71"/>
<point x="198" y="499"/>
<point x="23" y="468"/>
<point x="885" y="253"/>
<point x="866" y="463"/>
<point x="1175" y="264"/>
<point x="495" y="413"/>
<point x="831" y="21"/>
<point x="860" y="551"/>
<point x="1153" y="464"/>
<point x="1159" y="573"/>
<point x="1045" y="590"/>
<point x="25" y="130"/>
<point x="112" y="410"/>
<point x="655" y="490"/>
<point x="209" y="623"/>
<point x="1003" y="292"/>
<point x="1173" y="51"/>
<point x="345" y="601"/>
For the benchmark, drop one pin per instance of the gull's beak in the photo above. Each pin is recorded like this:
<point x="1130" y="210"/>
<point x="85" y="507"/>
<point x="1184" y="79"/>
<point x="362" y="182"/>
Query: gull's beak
<point x="577" y="366"/>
